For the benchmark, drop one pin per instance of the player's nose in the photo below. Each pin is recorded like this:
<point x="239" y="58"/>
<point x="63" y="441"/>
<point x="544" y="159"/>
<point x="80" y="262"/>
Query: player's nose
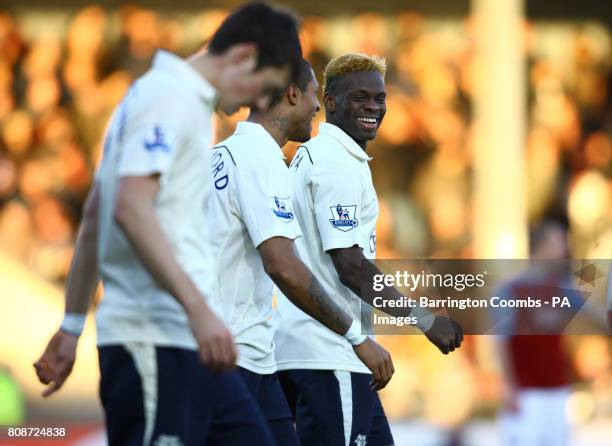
<point x="372" y="105"/>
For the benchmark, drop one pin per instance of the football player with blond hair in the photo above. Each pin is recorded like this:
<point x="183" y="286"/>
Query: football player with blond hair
<point x="328" y="388"/>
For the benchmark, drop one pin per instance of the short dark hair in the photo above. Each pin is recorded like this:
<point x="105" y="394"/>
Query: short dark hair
<point x="273" y="31"/>
<point x="303" y="74"/>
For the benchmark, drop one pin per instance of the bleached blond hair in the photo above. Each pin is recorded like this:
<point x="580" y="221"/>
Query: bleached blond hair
<point x="349" y="63"/>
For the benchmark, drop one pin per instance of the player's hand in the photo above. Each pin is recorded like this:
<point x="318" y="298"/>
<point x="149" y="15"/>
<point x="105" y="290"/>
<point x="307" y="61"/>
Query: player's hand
<point x="378" y="360"/>
<point x="446" y="334"/>
<point x="215" y="342"/>
<point x="56" y="362"/>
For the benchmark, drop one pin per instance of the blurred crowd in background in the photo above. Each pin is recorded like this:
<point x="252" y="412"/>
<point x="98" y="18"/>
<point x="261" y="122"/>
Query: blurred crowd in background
<point x="62" y="73"/>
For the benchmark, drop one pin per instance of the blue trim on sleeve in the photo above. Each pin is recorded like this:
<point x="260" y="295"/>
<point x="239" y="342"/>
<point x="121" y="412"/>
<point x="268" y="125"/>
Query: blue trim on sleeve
<point x="228" y="151"/>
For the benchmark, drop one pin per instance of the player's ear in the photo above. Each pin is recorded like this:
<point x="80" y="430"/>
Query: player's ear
<point x="243" y="55"/>
<point x="293" y="94"/>
<point x="328" y="101"/>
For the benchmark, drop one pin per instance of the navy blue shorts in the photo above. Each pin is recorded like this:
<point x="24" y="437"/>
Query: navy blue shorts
<point x="335" y="408"/>
<point x="269" y="394"/>
<point x="163" y="395"/>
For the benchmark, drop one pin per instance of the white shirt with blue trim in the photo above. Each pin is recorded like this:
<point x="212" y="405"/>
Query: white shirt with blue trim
<point x="250" y="203"/>
<point x="162" y="127"/>
<point x="336" y="206"/>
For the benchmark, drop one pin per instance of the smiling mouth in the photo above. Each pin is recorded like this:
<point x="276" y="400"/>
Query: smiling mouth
<point x="368" y="123"/>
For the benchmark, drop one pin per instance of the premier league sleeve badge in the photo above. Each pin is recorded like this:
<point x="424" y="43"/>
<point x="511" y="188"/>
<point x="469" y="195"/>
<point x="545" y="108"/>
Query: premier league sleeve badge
<point x="344" y="217"/>
<point x="281" y="207"/>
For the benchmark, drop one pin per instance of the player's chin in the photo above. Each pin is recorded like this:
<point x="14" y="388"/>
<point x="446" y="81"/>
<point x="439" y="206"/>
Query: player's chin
<point x="302" y="137"/>
<point x="364" y="134"/>
<point x="373" y="133"/>
<point x="367" y="135"/>
<point x="229" y="109"/>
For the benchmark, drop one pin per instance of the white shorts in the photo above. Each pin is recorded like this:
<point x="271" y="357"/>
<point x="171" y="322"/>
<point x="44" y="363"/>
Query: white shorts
<point x="540" y="420"/>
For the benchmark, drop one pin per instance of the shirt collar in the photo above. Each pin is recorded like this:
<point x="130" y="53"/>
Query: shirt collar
<point x="349" y="143"/>
<point x="186" y="74"/>
<point x="255" y="129"/>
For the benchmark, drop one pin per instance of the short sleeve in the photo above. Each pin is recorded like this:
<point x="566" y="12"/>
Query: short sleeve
<point x="149" y="133"/>
<point x="264" y="200"/>
<point x="337" y="206"/>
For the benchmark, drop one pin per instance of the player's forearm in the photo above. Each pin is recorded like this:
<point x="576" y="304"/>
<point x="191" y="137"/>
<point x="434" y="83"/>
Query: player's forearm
<point x="303" y="289"/>
<point x="140" y="225"/>
<point x="355" y="271"/>
<point x="364" y="275"/>
<point x="83" y="276"/>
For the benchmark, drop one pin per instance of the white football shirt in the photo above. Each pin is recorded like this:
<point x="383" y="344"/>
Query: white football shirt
<point x="250" y="202"/>
<point x="163" y="126"/>
<point x="336" y="206"/>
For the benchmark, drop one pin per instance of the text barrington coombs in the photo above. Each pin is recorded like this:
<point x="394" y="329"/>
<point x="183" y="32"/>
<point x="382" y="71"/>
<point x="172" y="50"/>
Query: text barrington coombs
<point x="427" y="280"/>
<point x="462" y="304"/>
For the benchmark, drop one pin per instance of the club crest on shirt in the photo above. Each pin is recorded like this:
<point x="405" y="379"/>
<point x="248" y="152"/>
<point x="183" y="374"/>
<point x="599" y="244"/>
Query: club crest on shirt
<point x="158" y="143"/>
<point x="168" y="440"/>
<point x="344" y="217"/>
<point x="282" y="208"/>
<point x="361" y="440"/>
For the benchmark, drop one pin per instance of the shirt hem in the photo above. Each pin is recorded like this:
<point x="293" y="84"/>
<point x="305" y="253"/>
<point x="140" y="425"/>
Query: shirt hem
<point x="321" y="365"/>
<point x="253" y="367"/>
<point x="115" y="340"/>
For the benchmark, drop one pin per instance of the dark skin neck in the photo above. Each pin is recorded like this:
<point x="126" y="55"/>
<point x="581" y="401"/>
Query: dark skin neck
<point x="329" y="118"/>
<point x="276" y="126"/>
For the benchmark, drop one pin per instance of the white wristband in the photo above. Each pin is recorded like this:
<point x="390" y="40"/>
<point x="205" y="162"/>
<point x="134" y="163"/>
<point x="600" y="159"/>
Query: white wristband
<point x="73" y="323"/>
<point x="353" y="335"/>
<point x="425" y="319"/>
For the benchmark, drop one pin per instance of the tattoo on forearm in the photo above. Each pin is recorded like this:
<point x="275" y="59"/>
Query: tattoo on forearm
<point x="329" y="314"/>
